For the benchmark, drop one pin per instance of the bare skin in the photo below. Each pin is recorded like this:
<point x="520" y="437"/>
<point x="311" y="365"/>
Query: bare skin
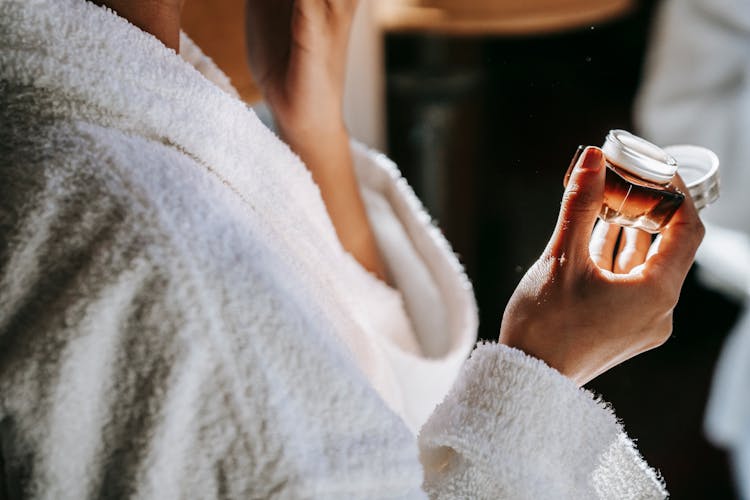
<point x="584" y="306"/>
<point x="297" y="53"/>
<point x="161" y="18"/>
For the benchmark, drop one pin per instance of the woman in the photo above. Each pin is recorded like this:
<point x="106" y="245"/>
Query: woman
<point x="187" y="311"/>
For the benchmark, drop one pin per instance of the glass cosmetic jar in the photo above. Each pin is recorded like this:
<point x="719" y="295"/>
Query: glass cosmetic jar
<point x="639" y="190"/>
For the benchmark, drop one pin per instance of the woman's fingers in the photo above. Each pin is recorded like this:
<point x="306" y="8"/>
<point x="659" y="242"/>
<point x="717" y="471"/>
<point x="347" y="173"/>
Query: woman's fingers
<point x="581" y="205"/>
<point x="602" y="244"/>
<point x="678" y="242"/>
<point x="633" y="249"/>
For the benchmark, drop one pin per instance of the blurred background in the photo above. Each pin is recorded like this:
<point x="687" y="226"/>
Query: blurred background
<point x="482" y="103"/>
<point x="483" y="112"/>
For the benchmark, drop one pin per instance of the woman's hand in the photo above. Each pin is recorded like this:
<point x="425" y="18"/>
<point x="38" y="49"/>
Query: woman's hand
<point x="583" y="311"/>
<point x="297" y="51"/>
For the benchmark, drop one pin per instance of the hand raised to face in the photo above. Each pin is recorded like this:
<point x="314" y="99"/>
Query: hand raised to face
<point x="297" y="53"/>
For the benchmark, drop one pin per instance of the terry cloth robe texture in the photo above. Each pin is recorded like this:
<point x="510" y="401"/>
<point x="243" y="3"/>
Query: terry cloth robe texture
<point x="179" y="320"/>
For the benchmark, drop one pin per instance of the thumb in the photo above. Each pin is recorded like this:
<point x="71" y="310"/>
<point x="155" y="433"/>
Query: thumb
<point x="581" y="205"/>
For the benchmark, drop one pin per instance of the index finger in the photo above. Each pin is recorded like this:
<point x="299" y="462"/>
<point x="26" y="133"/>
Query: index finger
<point x="681" y="238"/>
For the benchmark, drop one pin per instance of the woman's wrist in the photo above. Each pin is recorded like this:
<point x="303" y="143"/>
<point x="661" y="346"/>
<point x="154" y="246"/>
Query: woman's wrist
<point x="321" y="147"/>
<point x="307" y="122"/>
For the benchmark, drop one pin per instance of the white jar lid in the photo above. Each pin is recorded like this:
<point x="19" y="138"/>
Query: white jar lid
<point x="699" y="169"/>
<point x="639" y="157"/>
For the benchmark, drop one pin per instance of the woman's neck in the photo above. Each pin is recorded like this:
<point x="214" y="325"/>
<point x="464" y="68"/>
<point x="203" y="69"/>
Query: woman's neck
<point x="161" y="18"/>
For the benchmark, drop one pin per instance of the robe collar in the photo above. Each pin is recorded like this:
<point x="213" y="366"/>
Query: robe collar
<point x="95" y="66"/>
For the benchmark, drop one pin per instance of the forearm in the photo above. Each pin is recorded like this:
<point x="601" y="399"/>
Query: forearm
<point x="297" y="52"/>
<point x="328" y="157"/>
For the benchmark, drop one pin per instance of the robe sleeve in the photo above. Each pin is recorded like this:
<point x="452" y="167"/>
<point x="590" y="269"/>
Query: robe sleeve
<point x="512" y="427"/>
<point x="508" y="425"/>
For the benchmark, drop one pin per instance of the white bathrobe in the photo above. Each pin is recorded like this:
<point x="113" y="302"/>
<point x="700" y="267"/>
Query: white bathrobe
<point x="179" y="320"/>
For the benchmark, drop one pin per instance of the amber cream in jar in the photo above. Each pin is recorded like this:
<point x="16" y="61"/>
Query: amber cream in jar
<point x="639" y="190"/>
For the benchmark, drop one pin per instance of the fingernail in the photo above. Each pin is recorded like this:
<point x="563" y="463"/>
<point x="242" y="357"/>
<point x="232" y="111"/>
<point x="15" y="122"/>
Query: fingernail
<point x="572" y="164"/>
<point x="591" y="159"/>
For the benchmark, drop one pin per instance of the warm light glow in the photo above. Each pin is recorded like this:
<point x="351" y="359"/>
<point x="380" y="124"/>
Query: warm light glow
<point x="218" y="28"/>
<point x="496" y="16"/>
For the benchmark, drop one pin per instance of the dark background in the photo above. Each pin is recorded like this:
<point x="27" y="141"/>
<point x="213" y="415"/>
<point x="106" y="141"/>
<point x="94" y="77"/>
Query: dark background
<point x="484" y="128"/>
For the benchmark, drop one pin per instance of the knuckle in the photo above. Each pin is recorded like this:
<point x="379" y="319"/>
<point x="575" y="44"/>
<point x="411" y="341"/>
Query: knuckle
<point x="663" y="288"/>
<point x="659" y="334"/>
<point x="659" y="338"/>
<point x="666" y="295"/>
<point x="694" y="230"/>
<point x="577" y="198"/>
<point x="658" y="299"/>
<point x="546" y="271"/>
<point x="652" y="344"/>
<point x="700" y="230"/>
<point x="663" y="333"/>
